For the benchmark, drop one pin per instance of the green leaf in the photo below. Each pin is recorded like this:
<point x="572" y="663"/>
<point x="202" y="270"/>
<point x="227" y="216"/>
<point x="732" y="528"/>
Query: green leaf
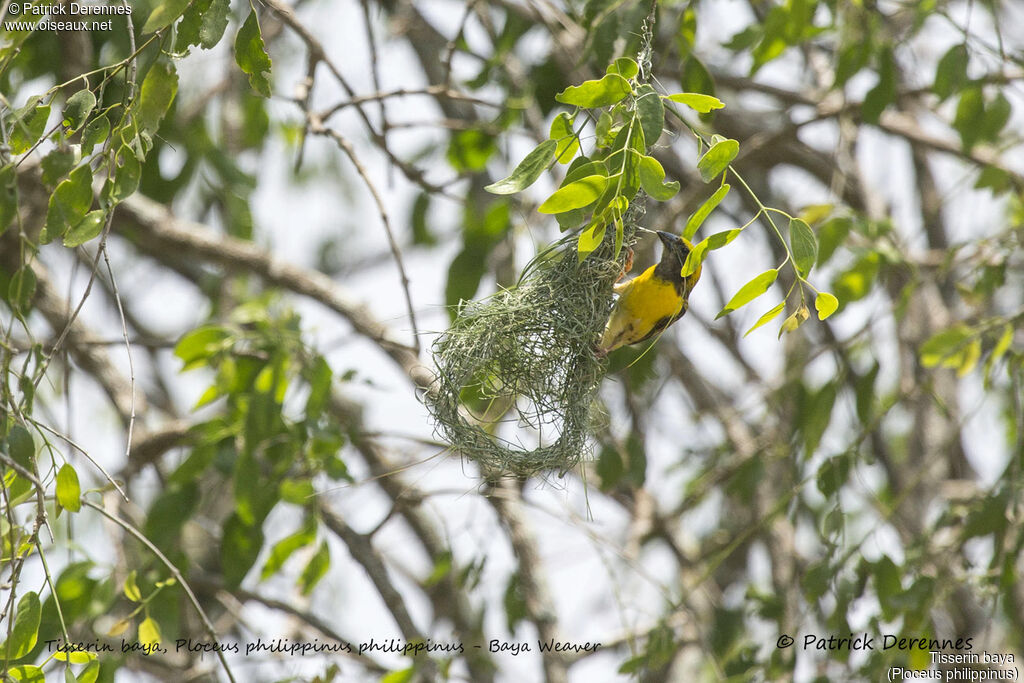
<point x="1002" y="345"/>
<point x="943" y="345"/>
<point x="805" y="247"/>
<point x="96" y="132"/>
<point x="816" y="411"/>
<point x="149" y="632"/>
<point x="22" y="290"/>
<point x="22" y="447"/>
<point x="831" y="234"/>
<point x="56" y="165"/>
<point x="750" y="291"/>
<point x="9" y="193"/>
<point x="90" y="673"/>
<point x="744" y="39"/>
<point x="853" y="56"/>
<point x="970" y="116"/>
<point x="73" y="657"/>
<point x="694" y="258"/>
<point x="995" y="179"/>
<point x="88" y="228"/>
<point x="701" y="104"/>
<point x="613" y="212"/>
<point x="987" y="516"/>
<point x="601" y="93"/>
<point x="816" y="580"/>
<point x="215" y="20"/>
<point x="296" y="491"/>
<point x="686" y="33"/>
<point x="203" y="24"/>
<point x="402" y="676"/>
<point x="127" y="175"/>
<point x="629" y="136"/>
<point x="239" y="548"/>
<point x="421" y="232"/>
<point x="69" y="203"/>
<point x="528" y="170"/>
<point x="442" y="568"/>
<point x="603" y="129"/>
<point x="833" y="474"/>
<point x="700" y="215"/>
<point x="826" y="304"/>
<point x="27" y="673"/>
<point x="590" y="239"/>
<point x="315" y="569"/>
<point x="651" y="176"/>
<point x="951" y="71"/>
<point x="171" y="509"/>
<point x="131" y="587"/>
<point x="187" y="32"/>
<point x="582" y="167"/>
<point x="69" y="492"/>
<point x="563" y="133"/>
<point x="285" y="548"/>
<point x="163" y="14"/>
<point x="469" y="150"/>
<point x="699" y="251"/>
<point x="625" y="67"/>
<point x="695" y="77"/>
<point x="25" y="631"/>
<point x="864" y="389"/>
<point x="855" y="283"/>
<point x="717" y="159"/>
<point x="970" y="358"/>
<point x="319" y="376"/>
<point x="767" y="317"/>
<point x="156" y="95"/>
<point x="884" y="92"/>
<point x="773" y="37"/>
<point x="997" y="115"/>
<point x="575" y="195"/>
<point x="888" y="585"/>
<point x="201" y="343"/>
<point x="464" y="275"/>
<point x="77" y="109"/>
<point x="651" y="112"/>
<point x="251" y="55"/>
<point x="28" y="125"/>
<point x="720" y="239"/>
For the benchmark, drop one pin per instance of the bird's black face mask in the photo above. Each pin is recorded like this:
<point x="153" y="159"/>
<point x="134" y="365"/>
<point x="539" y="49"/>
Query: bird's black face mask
<point x="668" y="267"/>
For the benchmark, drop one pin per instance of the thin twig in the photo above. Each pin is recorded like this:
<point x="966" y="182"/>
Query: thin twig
<point x="207" y="624"/>
<point x="164" y="234"/>
<point x="317" y="128"/>
<point x="431" y="91"/>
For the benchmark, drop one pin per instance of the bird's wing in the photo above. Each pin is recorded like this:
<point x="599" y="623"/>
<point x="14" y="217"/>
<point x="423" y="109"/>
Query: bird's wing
<point x="646" y="305"/>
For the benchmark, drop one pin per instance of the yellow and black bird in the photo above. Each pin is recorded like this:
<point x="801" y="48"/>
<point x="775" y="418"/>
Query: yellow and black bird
<point x="651" y="301"/>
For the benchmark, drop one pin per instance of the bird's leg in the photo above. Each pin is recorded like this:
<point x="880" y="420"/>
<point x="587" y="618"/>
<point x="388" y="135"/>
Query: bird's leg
<point x="627" y="265"/>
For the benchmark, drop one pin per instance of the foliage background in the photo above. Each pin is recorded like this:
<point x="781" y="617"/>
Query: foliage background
<point x="203" y="303"/>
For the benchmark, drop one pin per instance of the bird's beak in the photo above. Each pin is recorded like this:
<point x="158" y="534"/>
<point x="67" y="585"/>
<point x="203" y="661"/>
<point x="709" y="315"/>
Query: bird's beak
<point x="667" y="238"/>
<point x="673" y="243"/>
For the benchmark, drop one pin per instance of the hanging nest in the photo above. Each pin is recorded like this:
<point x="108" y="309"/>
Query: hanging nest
<point x="517" y="372"/>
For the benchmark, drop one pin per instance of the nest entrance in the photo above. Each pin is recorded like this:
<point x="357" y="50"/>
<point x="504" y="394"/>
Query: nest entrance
<point x="517" y="372"/>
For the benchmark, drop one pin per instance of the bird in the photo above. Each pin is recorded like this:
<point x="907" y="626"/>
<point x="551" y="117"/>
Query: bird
<point x="653" y="300"/>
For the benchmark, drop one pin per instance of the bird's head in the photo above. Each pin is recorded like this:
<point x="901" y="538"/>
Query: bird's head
<point x="672" y="259"/>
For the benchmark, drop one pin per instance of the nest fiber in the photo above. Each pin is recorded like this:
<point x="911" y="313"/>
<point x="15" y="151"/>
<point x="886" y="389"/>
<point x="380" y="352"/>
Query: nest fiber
<point x="517" y="372"/>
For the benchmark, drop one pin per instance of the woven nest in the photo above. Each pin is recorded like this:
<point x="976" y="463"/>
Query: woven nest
<point x="517" y="372"/>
